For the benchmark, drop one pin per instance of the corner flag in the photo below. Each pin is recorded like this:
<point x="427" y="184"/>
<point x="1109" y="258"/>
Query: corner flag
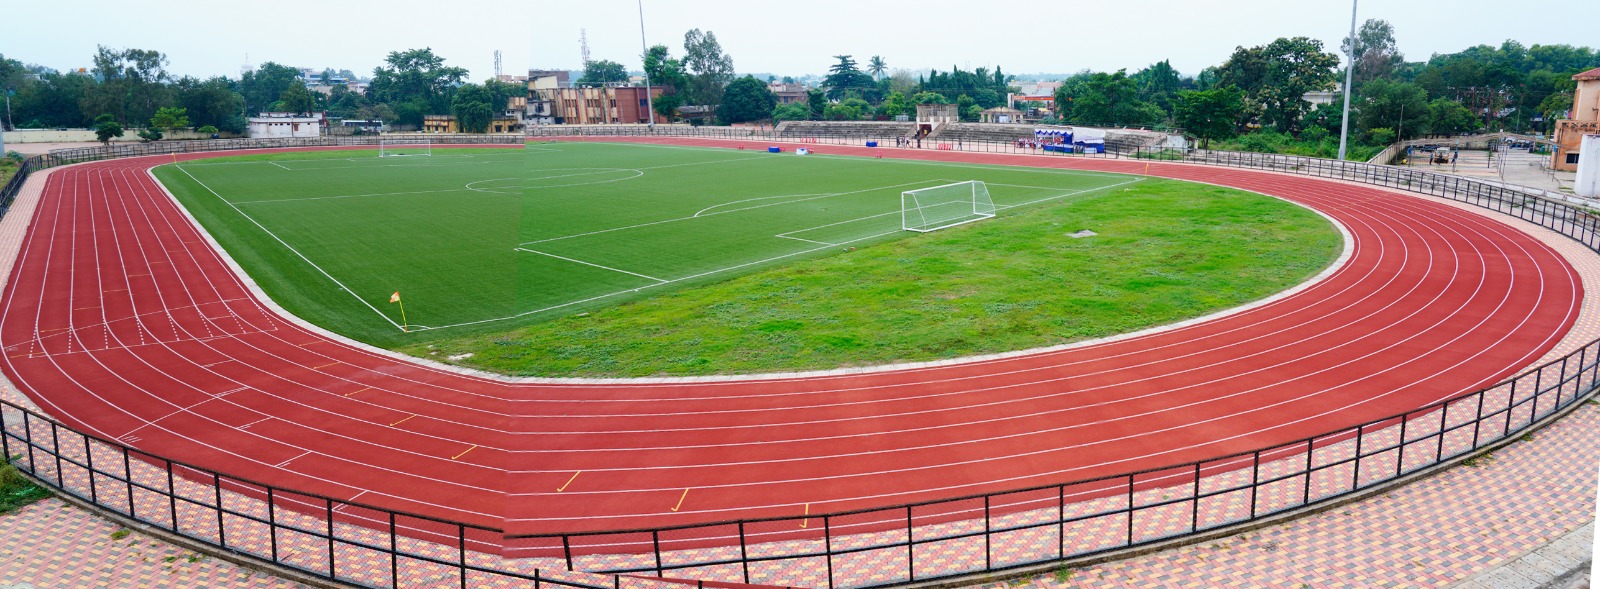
<point x="395" y="298"/>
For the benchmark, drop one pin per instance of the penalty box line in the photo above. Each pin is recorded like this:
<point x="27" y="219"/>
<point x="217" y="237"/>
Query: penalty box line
<point x="658" y="280"/>
<point x="630" y="290"/>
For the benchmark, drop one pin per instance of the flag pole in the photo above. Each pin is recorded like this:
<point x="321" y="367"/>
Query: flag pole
<point x="404" y="325"/>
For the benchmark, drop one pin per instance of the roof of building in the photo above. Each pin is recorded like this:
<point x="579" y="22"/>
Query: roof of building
<point x="1593" y="74"/>
<point x="1001" y="110"/>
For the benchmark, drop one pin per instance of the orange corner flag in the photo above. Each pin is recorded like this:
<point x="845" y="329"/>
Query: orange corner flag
<point x="395" y="298"/>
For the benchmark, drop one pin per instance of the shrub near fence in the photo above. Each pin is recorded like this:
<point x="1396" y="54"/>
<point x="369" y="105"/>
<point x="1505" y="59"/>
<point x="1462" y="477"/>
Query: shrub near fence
<point x="1024" y="529"/>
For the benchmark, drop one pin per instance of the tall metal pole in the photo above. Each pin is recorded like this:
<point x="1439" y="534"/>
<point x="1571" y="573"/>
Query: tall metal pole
<point x="1349" y="75"/>
<point x="649" y="100"/>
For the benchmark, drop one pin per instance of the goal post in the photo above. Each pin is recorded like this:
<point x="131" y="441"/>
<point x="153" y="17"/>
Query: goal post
<point x="388" y="147"/>
<point x="939" y="207"/>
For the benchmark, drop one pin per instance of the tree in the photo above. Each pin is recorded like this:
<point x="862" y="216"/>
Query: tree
<point x="1376" y="53"/>
<point x="106" y="127"/>
<point x="666" y="73"/>
<point x="1210" y="114"/>
<point x="473" y="107"/>
<point x="818" y="102"/>
<point x="414" y="83"/>
<point x="849" y="109"/>
<point x="1394" y="105"/>
<point x="603" y="72"/>
<point x="297" y="99"/>
<point x="1449" y="117"/>
<point x="53" y="101"/>
<point x="895" y="105"/>
<point x="266" y="85"/>
<point x="747" y="99"/>
<point x="169" y="119"/>
<point x="213" y="102"/>
<point x="707" y="68"/>
<point x="1159" y="84"/>
<point x="793" y="111"/>
<point x="1275" y="78"/>
<point x="876" y="66"/>
<point x="133" y="84"/>
<point x="844" y="76"/>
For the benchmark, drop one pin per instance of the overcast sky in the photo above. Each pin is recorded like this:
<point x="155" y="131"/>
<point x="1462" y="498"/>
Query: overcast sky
<point x="797" y="37"/>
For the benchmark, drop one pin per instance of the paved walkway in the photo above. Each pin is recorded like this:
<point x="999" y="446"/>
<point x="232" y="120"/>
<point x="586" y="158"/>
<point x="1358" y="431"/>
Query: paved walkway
<point x="1473" y="526"/>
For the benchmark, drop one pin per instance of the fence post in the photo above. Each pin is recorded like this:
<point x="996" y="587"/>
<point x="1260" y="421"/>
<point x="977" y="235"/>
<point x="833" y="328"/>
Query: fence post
<point x="827" y="545"/>
<point x="394" y="558"/>
<point x="744" y="553"/>
<point x="216" y="485"/>
<point x="1194" y="517"/>
<point x="655" y="540"/>
<point x="88" y="456"/>
<point x="1400" y="463"/>
<point x="911" y="548"/>
<point x="272" y="524"/>
<point x="1311" y="448"/>
<point x="328" y="510"/>
<point x="172" y="497"/>
<point x="1355" y="478"/>
<point x="127" y="476"/>
<point x="1130" y="510"/>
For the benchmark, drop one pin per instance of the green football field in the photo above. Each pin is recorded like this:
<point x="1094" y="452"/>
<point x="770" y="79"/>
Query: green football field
<point x="481" y="240"/>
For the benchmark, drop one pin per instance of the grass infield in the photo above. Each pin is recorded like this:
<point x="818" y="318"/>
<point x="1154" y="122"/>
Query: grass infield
<point x="580" y="259"/>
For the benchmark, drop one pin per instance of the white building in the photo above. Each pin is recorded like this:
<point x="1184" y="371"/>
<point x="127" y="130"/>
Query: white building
<point x="277" y="124"/>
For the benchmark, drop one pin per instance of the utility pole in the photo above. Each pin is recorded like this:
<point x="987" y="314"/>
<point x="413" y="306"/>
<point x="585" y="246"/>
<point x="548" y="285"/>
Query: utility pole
<point x="1349" y="75"/>
<point x="649" y="101"/>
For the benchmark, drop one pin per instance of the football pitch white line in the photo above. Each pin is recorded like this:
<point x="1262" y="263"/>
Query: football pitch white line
<point x="699" y="216"/>
<point x="416" y="327"/>
<point x="523" y="249"/>
<point x="1106" y="187"/>
<point x="805" y="240"/>
<point x="291" y="248"/>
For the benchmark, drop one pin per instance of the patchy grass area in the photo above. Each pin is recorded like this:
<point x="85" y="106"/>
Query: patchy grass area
<point x="1165" y="251"/>
<point x="16" y="490"/>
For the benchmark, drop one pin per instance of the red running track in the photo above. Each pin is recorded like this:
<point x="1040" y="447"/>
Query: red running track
<point x="121" y="319"/>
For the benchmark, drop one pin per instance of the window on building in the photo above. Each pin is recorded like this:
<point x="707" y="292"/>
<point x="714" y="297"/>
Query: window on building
<point x="1572" y="158"/>
<point x="613" y="103"/>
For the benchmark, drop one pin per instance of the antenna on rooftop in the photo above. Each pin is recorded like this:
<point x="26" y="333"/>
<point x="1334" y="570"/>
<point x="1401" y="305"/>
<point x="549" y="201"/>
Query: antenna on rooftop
<point x="497" y="70"/>
<point x="583" y="43"/>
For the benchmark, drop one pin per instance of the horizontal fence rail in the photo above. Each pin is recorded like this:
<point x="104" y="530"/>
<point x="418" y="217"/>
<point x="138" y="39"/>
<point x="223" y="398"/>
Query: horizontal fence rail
<point x="370" y="546"/>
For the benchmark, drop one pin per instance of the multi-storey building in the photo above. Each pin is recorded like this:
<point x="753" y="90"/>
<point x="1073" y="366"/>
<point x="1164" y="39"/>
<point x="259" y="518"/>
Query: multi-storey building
<point x="1585" y="120"/>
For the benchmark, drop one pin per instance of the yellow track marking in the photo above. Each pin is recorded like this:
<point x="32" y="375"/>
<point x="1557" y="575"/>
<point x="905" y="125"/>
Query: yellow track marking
<point x="569" y="481"/>
<point x="680" y="499"/>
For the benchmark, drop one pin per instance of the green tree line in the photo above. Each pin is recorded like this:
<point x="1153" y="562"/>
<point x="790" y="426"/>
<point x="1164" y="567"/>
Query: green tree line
<point x="133" y="89"/>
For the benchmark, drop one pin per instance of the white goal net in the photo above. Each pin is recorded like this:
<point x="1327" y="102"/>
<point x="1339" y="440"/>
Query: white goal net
<point x="929" y="209"/>
<point x="396" y="147"/>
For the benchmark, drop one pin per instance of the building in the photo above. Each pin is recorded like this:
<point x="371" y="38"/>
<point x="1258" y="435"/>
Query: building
<point x="790" y="93"/>
<point x="560" y="78"/>
<point x="1585" y="120"/>
<point x="1000" y="114"/>
<point x="593" y="106"/>
<point x="447" y="124"/>
<point x="282" y="124"/>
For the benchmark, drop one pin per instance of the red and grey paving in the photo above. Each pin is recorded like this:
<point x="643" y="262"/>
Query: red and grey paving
<point x="1442" y="530"/>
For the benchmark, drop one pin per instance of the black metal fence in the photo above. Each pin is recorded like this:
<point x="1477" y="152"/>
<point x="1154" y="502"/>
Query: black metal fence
<point x="370" y="546"/>
<point x="61" y="157"/>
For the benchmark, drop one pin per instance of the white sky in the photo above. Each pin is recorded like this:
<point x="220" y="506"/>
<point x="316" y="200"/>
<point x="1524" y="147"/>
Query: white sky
<point x="793" y="37"/>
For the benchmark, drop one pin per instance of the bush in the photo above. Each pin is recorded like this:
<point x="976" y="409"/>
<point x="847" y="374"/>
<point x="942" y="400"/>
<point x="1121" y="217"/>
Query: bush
<point x="151" y="134"/>
<point x="207" y="130"/>
<point x="15" y="156"/>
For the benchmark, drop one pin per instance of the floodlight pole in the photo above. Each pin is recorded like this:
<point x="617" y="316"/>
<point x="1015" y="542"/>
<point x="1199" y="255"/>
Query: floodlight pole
<point x="649" y="101"/>
<point x="1349" y="74"/>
